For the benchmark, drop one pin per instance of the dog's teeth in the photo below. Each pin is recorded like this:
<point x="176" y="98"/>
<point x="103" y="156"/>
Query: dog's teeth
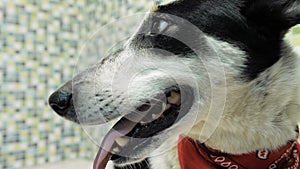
<point x="167" y="106"/>
<point x="159" y="113"/>
<point x="174" y="98"/>
<point x="143" y="122"/>
<point x="122" y="141"/>
<point x="164" y="107"/>
<point x="116" y="150"/>
<point x="155" y="116"/>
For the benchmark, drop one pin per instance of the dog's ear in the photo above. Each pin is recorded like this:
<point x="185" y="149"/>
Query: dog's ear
<point x="279" y="15"/>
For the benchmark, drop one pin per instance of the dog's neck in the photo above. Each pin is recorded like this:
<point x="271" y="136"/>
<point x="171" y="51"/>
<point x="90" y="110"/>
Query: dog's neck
<point x="261" y="114"/>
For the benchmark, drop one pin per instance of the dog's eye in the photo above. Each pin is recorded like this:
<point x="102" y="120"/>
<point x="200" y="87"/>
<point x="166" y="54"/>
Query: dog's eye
<point x="159" y="26"/>
<point x="163" y="25"/>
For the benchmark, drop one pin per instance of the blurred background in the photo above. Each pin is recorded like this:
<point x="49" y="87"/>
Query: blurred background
<point x="39" y="44"/>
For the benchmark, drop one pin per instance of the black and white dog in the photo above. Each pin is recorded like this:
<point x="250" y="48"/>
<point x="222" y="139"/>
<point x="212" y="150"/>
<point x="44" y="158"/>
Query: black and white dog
<point x="189" y="60"/>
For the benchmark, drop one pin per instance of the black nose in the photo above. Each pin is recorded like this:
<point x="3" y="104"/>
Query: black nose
<point x="60" y="102"/>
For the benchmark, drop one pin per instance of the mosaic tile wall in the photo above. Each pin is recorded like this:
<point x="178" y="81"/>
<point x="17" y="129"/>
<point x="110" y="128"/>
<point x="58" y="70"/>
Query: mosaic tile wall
<point x="39" y="43"/>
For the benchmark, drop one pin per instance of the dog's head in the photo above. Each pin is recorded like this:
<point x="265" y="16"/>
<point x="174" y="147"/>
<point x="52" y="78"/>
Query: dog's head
<point x="164" y="71"/>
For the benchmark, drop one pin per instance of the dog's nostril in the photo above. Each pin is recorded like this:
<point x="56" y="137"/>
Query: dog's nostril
<point x="56" y="106"/>
<point x="60" y="101"/>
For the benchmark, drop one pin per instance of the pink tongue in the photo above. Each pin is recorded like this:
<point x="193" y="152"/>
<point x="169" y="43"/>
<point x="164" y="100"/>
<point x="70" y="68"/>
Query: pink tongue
<point x="121" y="128"/>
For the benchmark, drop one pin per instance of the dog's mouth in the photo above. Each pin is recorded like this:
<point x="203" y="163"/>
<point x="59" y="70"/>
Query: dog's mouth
<point x="132" y="133"/>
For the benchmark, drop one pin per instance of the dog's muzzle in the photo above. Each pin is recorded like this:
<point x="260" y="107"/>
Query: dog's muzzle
<point x="134" y="131"/>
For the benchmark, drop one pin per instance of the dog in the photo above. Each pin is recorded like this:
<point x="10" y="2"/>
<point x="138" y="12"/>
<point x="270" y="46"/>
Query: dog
<point x="211" y="76"/>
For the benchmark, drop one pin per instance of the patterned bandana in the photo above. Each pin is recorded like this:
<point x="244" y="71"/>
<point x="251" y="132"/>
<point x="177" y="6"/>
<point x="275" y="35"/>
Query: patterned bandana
<point x="193" y="155"/>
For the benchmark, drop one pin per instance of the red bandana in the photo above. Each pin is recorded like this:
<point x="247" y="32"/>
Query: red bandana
<point x="193" y="155"/>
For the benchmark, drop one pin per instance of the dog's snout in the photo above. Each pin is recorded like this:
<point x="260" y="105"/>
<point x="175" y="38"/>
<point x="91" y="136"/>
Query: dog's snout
<point x="60" y="101"/>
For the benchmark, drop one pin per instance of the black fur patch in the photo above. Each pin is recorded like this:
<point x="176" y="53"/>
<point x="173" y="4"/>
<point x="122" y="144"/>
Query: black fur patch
<point x="163" y="42"/>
